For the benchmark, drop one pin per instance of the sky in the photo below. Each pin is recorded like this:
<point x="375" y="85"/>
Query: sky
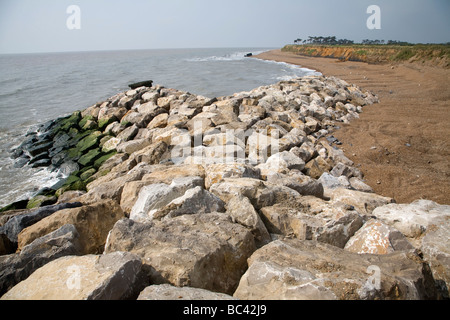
<point x="28" y="26"/>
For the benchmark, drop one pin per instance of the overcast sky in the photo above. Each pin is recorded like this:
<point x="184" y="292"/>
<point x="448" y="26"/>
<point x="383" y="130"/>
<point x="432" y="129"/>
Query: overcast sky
<point x="40" y="25"/>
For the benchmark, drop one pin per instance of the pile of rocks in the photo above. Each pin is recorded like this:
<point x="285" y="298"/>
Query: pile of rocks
<point x="244" y="196"/>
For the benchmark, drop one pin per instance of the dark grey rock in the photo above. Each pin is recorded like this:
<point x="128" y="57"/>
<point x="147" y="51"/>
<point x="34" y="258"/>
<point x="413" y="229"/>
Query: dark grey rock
<point x="128" y="280"/>
<point x="39" y="148"/>
<point x="41" y="163"/>
<point x="15" y="153"/>
<point x="147" y="83"/>
<point x="21" y="162"/>
<point x="57" y="158"/>
<point x="39" y="157"/>
<point x="16" y="224"/>
<point x="61" y="140"/>
<point x="17" y="267"/>
<point x="46" y="126"/>
<point x="28" y="142"/>
<point x="6" y="246"/>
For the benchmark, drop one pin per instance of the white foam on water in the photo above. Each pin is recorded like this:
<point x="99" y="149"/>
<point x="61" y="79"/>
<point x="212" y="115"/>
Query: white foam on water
<point x="235" y="56"/>
<point x="293" y="71"/>
<point x="20" y="183"/>
<point x="33" y="180"/>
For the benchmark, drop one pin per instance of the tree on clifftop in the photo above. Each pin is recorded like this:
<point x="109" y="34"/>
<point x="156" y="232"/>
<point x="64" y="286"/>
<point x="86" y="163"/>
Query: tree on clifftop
<point x="330" y="40"/>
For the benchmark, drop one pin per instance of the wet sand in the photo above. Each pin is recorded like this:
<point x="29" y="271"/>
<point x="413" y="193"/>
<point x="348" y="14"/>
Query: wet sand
<point x="402" y="144"/>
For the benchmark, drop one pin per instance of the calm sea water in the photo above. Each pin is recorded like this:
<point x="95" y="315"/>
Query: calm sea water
<point x="35" y="88"/>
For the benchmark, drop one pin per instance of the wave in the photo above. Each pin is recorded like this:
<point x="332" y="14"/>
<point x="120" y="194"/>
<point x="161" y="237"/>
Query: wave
<point x="10" y="80"/>
<point x="291" y="71"/>
<point x="294" y="67"/>
<point x="12" y="93"/>
<point x="34" y="179"/>
<point x="235" y="56"/>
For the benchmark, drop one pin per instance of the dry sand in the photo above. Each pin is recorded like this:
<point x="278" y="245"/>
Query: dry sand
<point x="402" y="143"/>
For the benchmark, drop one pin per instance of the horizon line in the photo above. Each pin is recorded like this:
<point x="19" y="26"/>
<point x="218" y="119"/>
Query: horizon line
<point x="136" y="49"/>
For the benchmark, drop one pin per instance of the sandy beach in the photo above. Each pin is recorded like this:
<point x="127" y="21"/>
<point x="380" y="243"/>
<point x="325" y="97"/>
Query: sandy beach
<point x="402" y="144"/>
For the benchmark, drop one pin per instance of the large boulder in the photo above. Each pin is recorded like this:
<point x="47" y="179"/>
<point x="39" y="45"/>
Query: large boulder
<point x="377" y="238"/>
<point x="281" y="162"/>
<point x="195" y="200"/>
<point x="111" y="144"/>
<point x="301" y="183"/>
<point x="111" y="185"/>
<point x="19" y="222"/>
<point x="317" y="166"/>
<point x="183" y="252"/>
<point x="156" y="196"/>
<point x="341" y="169"/>
<point x="261" y="147"/>
<point x="272" y="195"/>
<point x="213" y="155"/>
<point x="160" y="121"/>
<point x="413" y="219"/>
<point x="169" y="292"/>
<point x="128" y="133"/>
<point x="324" y="222"/>
<point x="132" y="146"/>
<point x="229" y="187"/>
<point x="223" y="139"/>
<point x="167" y="174"/>
<point x="151" y="154"/>
<point x="93" y="223"/>
<point x="242" y="211"/>
<point x="260" y="193"/>
<point x="157" y="174"/>
<point x="331" y="182"/>
<point x="17" y="267"/>
<point x="113" y="276"/>
<point x="304" y="270"/>
<point x="217" y="172"/>
<point x="130" y="194"/>
<point x="426" y="225"/>
<point x="362" y="201"/>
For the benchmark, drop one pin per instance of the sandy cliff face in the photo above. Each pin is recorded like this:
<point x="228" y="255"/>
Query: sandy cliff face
<point x="426" y="55"/>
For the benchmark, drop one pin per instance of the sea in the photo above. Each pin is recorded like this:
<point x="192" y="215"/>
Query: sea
<point x="35" y="88"/>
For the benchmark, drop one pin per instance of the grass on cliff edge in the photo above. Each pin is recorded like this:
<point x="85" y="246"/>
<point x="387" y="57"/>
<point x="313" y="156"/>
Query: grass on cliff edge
<point x="431" y="54"/>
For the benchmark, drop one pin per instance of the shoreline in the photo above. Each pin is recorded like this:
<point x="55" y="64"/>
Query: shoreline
<point x="399" y="143"/>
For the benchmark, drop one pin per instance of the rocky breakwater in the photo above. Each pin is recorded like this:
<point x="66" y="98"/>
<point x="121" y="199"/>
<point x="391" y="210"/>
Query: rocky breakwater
<point x="172" y="195"/>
